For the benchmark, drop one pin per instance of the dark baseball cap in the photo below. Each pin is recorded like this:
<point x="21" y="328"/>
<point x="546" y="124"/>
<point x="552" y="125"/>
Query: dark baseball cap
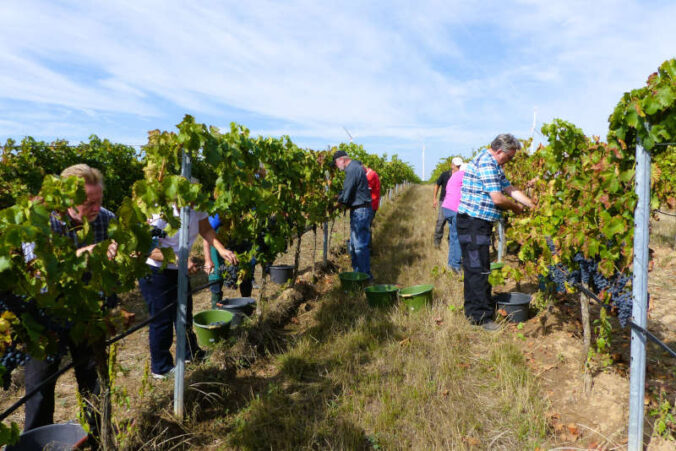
<point x="338" y="154"/>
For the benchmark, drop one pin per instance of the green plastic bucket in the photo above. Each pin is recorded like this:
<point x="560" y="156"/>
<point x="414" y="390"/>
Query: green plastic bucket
<point x="353" y="281"/>
<point x="417" y="296"/>
<point x="211" y="326"/>
<point x="381" y="295"/>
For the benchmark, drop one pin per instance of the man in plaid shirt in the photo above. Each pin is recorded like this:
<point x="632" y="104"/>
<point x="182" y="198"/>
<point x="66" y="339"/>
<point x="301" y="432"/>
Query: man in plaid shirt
<point x="40" y="407"/>
<point x="482" y="200"/>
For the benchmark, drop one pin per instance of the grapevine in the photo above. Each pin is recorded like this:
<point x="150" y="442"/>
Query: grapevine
<point x="265" y="187"/>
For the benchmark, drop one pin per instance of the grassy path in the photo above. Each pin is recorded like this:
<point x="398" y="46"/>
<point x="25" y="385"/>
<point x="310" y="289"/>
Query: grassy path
<point x="358" y="378"/>
<point x="328" y="372"/>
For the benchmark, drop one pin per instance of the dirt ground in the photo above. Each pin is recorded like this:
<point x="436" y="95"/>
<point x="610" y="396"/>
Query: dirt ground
<point x="551" y="343"/>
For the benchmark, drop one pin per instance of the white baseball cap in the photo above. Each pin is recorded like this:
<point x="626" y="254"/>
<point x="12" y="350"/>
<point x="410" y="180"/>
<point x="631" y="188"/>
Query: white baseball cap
<point x="457" y="161"/>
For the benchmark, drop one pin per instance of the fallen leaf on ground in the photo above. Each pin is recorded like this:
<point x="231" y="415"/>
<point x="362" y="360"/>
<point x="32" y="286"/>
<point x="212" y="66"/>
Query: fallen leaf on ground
<point x="438" y="320"/>
<point x="471" y="441"/>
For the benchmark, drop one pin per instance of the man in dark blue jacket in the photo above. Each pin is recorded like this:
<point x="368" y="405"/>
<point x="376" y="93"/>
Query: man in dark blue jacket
<point x="357" y="197"/>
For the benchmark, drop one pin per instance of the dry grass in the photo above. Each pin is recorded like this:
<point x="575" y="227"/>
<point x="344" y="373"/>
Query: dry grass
<point x="663" y="230"/>
<point x="336" y="374"/>
<point x="359" y="378"/>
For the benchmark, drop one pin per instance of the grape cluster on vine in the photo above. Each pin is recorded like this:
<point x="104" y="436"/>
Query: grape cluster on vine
<point x="20" y="305"/>
<point x="11" y="359"/>
<point x="230" y="274"/>
<point x="587" y="273"/>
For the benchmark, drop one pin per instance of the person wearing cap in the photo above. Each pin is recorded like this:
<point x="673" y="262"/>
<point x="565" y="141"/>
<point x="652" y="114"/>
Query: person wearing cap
<point x="483" y="197"/>
<point x="357" y="197"/>
<point x="440" y="189"/>
<point x="449" y="207"/>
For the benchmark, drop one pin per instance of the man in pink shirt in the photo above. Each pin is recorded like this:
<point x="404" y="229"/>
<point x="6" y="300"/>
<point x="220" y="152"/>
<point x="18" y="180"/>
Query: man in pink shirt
<point x="450" y="210"/>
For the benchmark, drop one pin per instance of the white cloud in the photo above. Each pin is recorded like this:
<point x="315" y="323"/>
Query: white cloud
<point x="454" y="73"/>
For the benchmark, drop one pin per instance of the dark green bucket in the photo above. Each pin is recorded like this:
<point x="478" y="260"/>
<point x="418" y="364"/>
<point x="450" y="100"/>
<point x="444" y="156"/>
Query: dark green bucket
<point x="381" y="295"/>
<point x="211" y="326"/>
<point x="353" y="281"/>
<point x="417" y="296"/>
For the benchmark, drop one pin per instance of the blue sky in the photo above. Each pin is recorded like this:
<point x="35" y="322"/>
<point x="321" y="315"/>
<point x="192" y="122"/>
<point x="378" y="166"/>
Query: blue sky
<point x="451" y="74"/>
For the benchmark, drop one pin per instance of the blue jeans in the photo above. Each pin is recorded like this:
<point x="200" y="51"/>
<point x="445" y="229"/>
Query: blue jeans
<point x="360" y="235"/>
<point x="454" y="252"/>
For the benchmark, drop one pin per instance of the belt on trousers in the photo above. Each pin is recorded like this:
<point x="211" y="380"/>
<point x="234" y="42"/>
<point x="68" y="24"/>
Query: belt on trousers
<point x="360" y="206"/>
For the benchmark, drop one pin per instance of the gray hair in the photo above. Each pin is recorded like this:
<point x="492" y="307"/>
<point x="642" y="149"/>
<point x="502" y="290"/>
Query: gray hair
<point x="91" y="176"/>
<point x="506" y="143"/>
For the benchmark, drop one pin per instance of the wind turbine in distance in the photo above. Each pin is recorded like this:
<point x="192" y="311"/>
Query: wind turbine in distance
<point x="348" y="133"/>
<point x="532" y="130"/>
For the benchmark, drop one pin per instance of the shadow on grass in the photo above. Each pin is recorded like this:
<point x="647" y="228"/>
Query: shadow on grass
<point x="299" y="407"/>
<point x="394" y="249"/>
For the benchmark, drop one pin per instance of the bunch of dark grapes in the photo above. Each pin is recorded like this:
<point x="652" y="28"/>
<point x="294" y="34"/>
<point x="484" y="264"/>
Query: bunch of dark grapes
<point x="588" y="274"/>
<point x="587" y="267"/>
<point x="10" y="302"/>
<point x="556" y="276"/>
<point x="621" y="297"/>
<point x="623" y="302"/>
<point x="11" y="359"/>
<point x="20" y="305"/>
<point x="230" y="273"/>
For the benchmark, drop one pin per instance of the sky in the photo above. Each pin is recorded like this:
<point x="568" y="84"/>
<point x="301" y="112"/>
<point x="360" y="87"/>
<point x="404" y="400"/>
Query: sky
<point x="399" y="76"/>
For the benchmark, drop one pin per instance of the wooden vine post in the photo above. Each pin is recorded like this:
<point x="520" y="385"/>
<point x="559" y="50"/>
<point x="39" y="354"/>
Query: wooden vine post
<point x="314" y="250"/>
<point x="106" y="438"/>
<point x="296" y="259"/>
<point x="587" y="335"/>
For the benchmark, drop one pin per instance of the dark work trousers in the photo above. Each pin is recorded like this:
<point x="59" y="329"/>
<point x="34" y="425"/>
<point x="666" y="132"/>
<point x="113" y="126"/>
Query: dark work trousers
<point x="439" y="227"/>
<point x="40" y="407"/>
<point x="245" y="286"/>
<point x="159" y="289"/>
<point x="474" y="235"/>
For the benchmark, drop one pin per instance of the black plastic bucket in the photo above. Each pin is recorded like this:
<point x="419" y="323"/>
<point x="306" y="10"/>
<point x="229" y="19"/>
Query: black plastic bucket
<point x="53" y="436"/>
<point x="281" y="274"/>
<point x="515" y="305"/>
<point x="244" y="306"/>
